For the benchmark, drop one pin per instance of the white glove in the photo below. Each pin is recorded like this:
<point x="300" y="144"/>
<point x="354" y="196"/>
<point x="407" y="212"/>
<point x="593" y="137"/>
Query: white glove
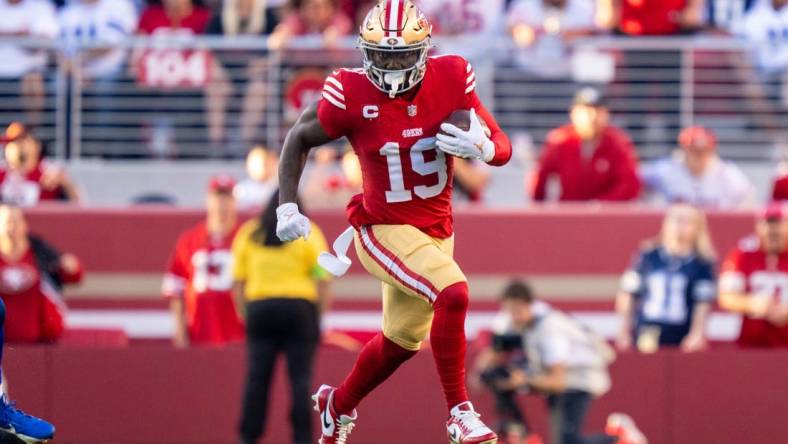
<point x="471" y="144"/>
<point x="290" y="223"/>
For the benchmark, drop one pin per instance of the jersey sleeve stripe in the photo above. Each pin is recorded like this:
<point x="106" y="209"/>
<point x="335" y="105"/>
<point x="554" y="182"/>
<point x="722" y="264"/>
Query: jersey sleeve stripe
<point x="468" y="68"/>
<point x="337" y="84"/>
<point x="471" y="78"/>
<point x="470" y="87"/>
<point x="333" y="92"/>
<point x="333" y="101"/>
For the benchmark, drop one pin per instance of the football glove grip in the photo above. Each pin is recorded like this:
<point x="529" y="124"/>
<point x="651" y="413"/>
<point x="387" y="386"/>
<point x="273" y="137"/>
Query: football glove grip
<point x="471" y="144"/>
<point x="290" y="223"/>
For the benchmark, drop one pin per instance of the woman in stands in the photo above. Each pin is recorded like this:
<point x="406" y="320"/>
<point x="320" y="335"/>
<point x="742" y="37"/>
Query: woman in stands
<point x="279" y="290"/>
<point x="667" y="293"/>
<point x="32" y="274"/>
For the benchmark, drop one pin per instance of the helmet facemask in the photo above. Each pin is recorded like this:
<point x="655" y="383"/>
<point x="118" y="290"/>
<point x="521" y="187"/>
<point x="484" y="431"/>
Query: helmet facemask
<point x="395" y="69"/>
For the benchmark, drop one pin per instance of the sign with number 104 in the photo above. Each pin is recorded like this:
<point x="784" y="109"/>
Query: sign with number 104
<point x="175" y="69"/>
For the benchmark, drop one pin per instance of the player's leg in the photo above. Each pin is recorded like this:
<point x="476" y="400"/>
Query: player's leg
<point x="262" y="346"/>
<point x="12" y="420"/>
<point x="404" y="328"/>
<point x="433" y="288"/>
<point x="300" y="349"/>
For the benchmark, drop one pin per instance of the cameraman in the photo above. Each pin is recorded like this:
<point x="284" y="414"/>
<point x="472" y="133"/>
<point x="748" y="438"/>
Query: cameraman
<point x="565" y="362"/>
<point x="503" y="353"/>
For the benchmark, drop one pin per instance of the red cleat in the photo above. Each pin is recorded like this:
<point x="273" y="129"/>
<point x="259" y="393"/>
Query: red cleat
<point x="465" y="427"/>
<point x="335" y="428"/>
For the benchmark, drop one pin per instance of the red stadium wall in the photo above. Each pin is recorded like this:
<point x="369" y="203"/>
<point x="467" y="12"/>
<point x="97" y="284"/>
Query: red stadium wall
<point x="150" y="393"/>
<point x="547" y="240"/>
<point x="157" y="395"/>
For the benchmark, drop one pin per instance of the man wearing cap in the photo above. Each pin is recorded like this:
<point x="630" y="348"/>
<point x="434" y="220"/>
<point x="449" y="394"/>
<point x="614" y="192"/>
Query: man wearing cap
<point x="199" y="281"/>
<point x="26" y="179"/>
<point x="754" y="281"/>
<point x="587" y="159"/>
<point x="695" y="174"/>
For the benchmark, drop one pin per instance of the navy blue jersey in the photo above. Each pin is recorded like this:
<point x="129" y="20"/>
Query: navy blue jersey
<point x="666" y="289"/>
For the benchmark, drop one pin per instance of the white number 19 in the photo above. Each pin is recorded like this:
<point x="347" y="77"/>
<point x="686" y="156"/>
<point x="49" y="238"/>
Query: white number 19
<point x="398" y="192"/>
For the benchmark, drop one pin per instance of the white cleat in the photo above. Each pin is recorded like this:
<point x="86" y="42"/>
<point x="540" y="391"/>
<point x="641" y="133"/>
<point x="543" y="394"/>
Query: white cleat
<point x="465" y="427"/>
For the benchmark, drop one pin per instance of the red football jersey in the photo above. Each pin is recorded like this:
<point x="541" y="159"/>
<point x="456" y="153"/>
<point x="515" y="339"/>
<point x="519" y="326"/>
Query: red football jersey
<point x="407" y="180"/>
<point x="651" y="17"/>
<point x="34" y="308"/>
<point x="28" y="189"/>
<point x="200" y="271"/>
<point x="749" y="270"/>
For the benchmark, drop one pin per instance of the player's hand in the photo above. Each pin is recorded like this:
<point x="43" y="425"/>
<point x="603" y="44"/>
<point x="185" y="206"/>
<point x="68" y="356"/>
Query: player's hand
<point x="290" y="223"/>
<point x="693" y="342"/>
<point x="471" y="144"/>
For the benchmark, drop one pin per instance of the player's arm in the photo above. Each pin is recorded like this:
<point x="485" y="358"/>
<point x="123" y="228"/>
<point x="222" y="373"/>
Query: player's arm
<point x="306" y="134"/>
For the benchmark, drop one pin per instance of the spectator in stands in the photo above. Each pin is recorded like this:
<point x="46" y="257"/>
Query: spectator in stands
<point x="262" y="167"/>
<point x="566" y="362"/>
<point x="312" y="17"/>
<point x="23" y="67"/>
<point x="754" y="281"/>
<point x="588" y="159"/>
<point x="667" y="293"/>
<point x="468" y="28"/>
<point x="235" y="70"/>
<point x="188" y="69"/>
<point x="279" y="290"/>
<point x="656" y="17"/>
<point x="697" y="175"/>
<point x="32" y="275"/>
<point x="333" y="180"/>
<point x="101" y="25"/>
<point x="545" y="29"/>
<point x="26" y="179"/>
<point x="765" y="27"/>
<point x="199" y="281"/>
<point x="174" y="17"/>
<point x="724" y="16"/>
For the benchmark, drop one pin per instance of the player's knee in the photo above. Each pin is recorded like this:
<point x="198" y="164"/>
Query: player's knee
<point x="403" y="343"/>
<point x="454" y="297"/>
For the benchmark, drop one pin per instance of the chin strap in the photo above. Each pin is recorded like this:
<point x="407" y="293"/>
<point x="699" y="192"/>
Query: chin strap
<point x="338" y="263"/>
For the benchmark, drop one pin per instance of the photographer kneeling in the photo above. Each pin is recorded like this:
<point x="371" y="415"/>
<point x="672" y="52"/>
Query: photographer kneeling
<point x="565" y="361"/>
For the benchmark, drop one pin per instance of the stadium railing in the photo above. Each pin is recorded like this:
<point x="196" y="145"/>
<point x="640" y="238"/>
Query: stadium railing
<point x="162" y="99"/>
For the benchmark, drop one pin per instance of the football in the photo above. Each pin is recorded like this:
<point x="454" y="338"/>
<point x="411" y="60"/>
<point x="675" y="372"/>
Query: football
<point x="461" y="118"/>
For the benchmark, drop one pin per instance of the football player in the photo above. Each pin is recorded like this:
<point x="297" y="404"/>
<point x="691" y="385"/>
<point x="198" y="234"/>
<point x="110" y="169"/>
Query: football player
<point x="393" y="111"/>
